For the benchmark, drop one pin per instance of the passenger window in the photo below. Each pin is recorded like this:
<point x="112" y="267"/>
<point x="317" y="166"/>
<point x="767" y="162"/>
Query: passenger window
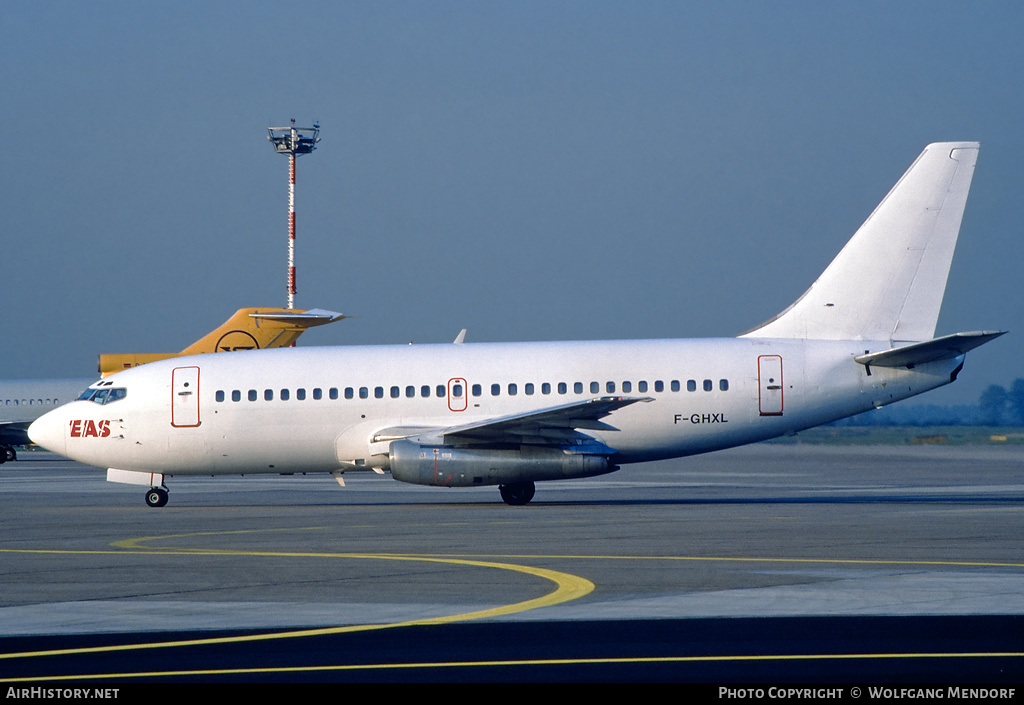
<point x="578" y="387"/>
<point x="219" y="395"/>
<point x="641" y="386"/>
<point x="425" y="390"/>
<point x="609" y="387"/>
<point x="675" y="385"/>
<point x="364" y="393"/>
<point x="236" y="395"/>
<point x="395" y="392"/>
<point x="318" y="393"/>
<point x="545" y="388"/>
<point x="562" y="388"/>
<point x="457" y="391"/>
<point x="378" y="392"/>
<point x="349" y="393"/>
<point x="268" y="395"/>
<point x="285" y="395"/>
<point x="627" y="387"/>
<point x="529" y="388"/>
<point x="477" y="390"/>
<point x="333" y="394"/>
<point x="691" y="385"/>
<point x="512" y="389"/>
<point x="595" y="387"/>
<point x="659" y="386"/>
<point x="495" y="390"/>
<point x="300" y="394"/>
<point x="708" y="385"/>
<point x="723" y="384"/>
<point x="441" y="391"/>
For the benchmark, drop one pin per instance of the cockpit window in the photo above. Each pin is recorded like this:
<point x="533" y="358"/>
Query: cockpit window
<point x="107" y="395"/>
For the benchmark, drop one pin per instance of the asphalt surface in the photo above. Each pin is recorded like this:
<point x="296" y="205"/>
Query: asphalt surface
<point x="784" y="562"/>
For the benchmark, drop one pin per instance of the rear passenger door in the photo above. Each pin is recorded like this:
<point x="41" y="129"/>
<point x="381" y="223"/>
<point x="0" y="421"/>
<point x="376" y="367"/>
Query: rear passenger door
<point x="769" y="378"/>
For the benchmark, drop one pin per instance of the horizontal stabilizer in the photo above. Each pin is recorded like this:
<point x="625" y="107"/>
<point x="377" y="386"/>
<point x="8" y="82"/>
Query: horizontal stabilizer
<point x="944" y="348"/>
<point x="307" y="319"/>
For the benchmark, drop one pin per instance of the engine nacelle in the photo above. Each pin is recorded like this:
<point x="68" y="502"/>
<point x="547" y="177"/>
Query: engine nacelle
<point x="444" y="466"/>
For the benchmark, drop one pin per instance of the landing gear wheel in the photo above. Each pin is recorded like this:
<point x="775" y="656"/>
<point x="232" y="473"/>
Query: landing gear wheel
<point x="156" y="497"/>
<point x="517" y="493"/>
<point x="7" y="453"/>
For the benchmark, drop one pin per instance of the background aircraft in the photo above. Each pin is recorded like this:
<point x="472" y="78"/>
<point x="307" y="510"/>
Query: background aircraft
<point x="512" y="414"/>
<point x="23" y="401"/>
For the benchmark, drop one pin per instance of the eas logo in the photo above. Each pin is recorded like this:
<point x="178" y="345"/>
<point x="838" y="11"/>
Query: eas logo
<point x="90" y="428"/>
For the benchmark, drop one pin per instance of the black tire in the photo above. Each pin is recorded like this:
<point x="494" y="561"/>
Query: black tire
<point x="517" y="493"/>
<point x="156" y="497"/>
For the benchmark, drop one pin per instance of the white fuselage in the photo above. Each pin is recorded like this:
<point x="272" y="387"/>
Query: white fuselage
<point x="319" y="409"/>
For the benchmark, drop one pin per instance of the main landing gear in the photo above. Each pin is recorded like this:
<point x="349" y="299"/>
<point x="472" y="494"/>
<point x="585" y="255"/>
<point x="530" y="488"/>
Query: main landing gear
<point x="156" y="496"/>
<point x="7" y="454"/>
<point x="517" y="493"/>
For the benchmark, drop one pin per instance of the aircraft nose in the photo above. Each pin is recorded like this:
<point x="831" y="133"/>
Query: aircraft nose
<point x="49" y="431"/>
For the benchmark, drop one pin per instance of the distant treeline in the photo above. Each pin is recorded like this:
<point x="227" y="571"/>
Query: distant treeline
<point x="997" y="406"/>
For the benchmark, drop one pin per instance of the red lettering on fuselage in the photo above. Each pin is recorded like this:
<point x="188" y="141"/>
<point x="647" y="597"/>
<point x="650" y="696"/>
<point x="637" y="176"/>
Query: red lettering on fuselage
<point x="89" y="428"/>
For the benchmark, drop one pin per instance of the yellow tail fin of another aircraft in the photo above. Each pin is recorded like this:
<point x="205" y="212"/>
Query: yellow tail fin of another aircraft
<point x="248" y="329"/>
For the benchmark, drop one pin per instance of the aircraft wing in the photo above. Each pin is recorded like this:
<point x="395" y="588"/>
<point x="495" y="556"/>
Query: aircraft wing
<point x="556" y="425"/>
<point x="944" y="348"/>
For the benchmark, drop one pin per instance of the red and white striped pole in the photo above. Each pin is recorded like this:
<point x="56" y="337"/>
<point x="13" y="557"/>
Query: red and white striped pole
<point x="291" y="226"/>
<point x="293" y="141"/>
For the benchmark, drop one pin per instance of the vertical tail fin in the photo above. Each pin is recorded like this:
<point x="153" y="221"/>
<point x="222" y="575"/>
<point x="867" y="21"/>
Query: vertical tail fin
<point x="259" y="328"/>
<point x="887" y="282"/>
<point x="248" y="329"/>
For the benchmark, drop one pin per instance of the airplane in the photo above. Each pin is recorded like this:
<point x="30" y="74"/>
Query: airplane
<point x="514" y="414"/>
<point x="22" y="401"/>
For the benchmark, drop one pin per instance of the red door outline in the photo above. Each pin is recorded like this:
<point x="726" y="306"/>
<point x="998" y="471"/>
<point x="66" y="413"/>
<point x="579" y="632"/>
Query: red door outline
<point x="461" y="401"/>
<point x="769" y="385"/>
<point x="185" y="397"/>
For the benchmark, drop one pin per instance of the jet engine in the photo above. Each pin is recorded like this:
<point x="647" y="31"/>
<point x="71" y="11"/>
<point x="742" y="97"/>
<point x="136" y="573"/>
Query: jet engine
<point x="446" y="466"/>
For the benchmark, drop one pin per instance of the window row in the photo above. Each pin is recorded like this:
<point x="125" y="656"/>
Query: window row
<point x="476" y="390"/>
<point x="30" y="402"/>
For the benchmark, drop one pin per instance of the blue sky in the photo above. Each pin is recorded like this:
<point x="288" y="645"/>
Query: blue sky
<point x="526" y="170"/>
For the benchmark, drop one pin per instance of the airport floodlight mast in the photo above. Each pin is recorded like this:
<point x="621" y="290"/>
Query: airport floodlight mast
<point x="292" y="141"/>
